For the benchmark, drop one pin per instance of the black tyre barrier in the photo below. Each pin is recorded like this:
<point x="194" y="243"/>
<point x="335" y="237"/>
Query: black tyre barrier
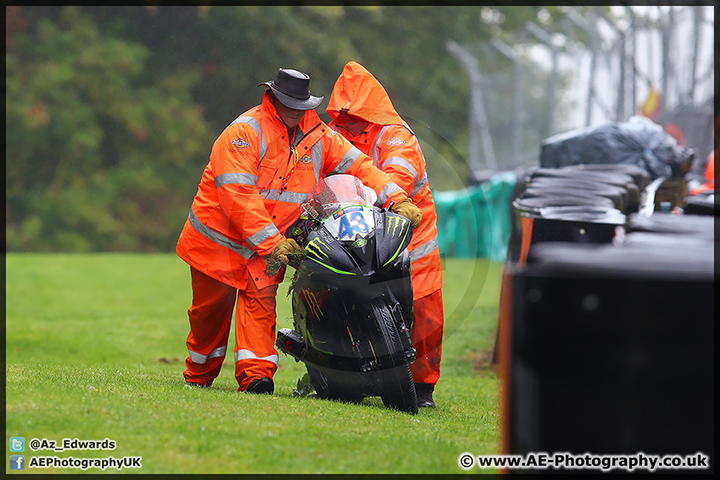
<point x="532" y="207"/>
<point x="583" y="178"/>
<point x="673" y="240"/>
<point x="703" y="204"/>
<point x="632" y="178"/>
<point x="634" y="198"/>
<point x="690" y="225"/>
<point x="575" y="171"/>
<point x="608" y="349"/>
<point x="584" y="213"/>
<point x="552" y="200"/>
<point x="640" y="176"/>
<point x="581" y="224"/>
<point x="547" y="186"/>
<point x="612" y="178"/>
<point x="548" y="219"/>
<point x="564" y="187"/>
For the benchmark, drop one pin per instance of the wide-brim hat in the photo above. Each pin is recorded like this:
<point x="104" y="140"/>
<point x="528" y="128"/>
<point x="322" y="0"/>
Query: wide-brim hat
<point x="292" y="88"/>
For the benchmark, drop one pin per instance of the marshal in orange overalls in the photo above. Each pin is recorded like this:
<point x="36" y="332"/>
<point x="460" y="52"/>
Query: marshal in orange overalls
<point x="395" y="149"/>
<point x="251" y="191"/>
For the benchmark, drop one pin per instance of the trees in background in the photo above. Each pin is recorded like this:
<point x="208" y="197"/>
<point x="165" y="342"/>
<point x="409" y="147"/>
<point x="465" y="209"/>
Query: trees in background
<point x="111" y="111"/>
<point x="97" y="158"/>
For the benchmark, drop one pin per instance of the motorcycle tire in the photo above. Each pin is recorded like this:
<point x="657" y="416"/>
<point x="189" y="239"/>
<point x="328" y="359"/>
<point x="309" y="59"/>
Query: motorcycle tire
<point x="396" y="383"/>
<point x="330" y="390"/>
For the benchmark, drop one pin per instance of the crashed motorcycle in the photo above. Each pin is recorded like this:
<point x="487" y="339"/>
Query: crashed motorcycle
<point x="352" y="297"/>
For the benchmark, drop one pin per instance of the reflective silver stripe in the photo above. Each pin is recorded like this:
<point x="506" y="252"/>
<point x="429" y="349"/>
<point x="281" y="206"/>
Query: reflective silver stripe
<point x="347" y="160"/>
<point x="316" y="154"/>
<point x="201" y="359"/>
<point x="269" y="194"/>
<point x="287" y="197"/>
<point x="424" y="249"/>
<point x="197" y="358"/>
<point x="255" y="126"/>
<point x="387" y="190"/>
<point x="406" y="165"/>
<point x="232" y="178"/>
<point x="247" y="355"/>
<point x="400" y="162"/>
<point x="376" y="146"/>
<point x="419" y="185"/>
<point x="293" y="197"/>
<point x="262" y="235"/>
<point x="219" y="238"/>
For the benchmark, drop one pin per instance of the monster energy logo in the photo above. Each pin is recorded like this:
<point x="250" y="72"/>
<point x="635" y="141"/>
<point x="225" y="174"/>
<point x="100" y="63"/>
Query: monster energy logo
<point x="312" y="302"/>
<point x="313" y="246"/>
<point x="359" y="243"/>
<point x="395" y="223"/>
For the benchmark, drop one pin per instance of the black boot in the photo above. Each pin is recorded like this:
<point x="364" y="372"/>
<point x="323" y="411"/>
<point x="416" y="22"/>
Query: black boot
<point x="261" y="385"/>
<point x="424" y="395"/>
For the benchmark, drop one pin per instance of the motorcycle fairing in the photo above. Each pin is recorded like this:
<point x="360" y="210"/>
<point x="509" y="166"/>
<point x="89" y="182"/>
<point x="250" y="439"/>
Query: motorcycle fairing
<point x="322" y="249"/>
<point x="393" y="234"/>
<point x="390" y="237"/>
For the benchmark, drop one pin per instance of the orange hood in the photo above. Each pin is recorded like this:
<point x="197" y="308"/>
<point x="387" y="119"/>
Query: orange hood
<point x="358" y="93"/>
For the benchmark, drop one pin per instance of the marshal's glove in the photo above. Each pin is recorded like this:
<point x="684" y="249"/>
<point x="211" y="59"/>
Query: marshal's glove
<point x="408" y="210"/>
<point x="286" y="250"/>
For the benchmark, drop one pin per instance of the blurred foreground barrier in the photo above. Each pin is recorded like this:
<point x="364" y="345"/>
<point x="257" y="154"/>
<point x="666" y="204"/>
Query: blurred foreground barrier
<point x="608" y="347"/>
<point x="475" y="222"/>
<point x="605" y="333"/>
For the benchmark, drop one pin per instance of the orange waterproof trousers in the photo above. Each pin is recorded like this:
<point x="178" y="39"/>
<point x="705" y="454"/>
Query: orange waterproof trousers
<point x="427" y="333"/>
<point x="210" y="318"/>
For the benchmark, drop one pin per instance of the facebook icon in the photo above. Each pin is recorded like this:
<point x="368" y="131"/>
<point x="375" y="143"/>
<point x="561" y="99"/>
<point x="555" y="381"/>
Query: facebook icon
<point x="17" y="462"/>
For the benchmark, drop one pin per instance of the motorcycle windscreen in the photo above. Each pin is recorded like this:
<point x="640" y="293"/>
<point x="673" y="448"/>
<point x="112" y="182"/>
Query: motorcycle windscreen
<point x="334" y="192"/>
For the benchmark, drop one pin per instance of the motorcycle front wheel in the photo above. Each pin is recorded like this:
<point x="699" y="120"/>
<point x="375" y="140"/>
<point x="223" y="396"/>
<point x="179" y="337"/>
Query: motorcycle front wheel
<point x="396" y="383"/>
<point x="330" y="389"/>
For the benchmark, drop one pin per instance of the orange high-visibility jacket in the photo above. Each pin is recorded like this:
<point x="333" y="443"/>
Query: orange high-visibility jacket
<point x="709" y="184"/>
<point x="254" y="185"/>
<point x="394" y="149"/>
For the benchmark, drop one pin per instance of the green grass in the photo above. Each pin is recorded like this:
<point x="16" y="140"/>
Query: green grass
<point x="95" y="349"/>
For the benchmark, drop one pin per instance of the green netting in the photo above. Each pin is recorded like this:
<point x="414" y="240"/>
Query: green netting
<point x="475" y="222"/>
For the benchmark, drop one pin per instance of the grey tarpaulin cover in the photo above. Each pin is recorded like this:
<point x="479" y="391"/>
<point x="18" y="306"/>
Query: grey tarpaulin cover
<point x="639" y="141"/>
